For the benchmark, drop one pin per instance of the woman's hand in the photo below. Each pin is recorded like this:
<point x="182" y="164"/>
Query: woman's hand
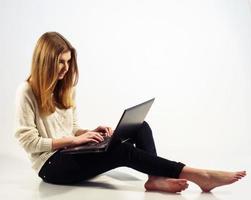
<point x="90" y="136"/>
<point x="104" y="130"/>
<point x="81" y="131"/>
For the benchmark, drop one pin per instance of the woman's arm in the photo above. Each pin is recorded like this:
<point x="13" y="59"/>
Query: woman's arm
<point x="25" y="128"/>
<point x="62" y="142"/>
<point x="88" y="136"/>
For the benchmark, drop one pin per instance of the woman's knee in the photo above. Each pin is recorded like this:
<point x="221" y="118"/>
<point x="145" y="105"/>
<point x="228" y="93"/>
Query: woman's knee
<point x="145" y="124"/>
<point x="146" y="127"/>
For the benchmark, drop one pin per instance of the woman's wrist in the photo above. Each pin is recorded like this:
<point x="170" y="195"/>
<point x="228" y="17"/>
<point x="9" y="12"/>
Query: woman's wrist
<point x="81" y="131"/>
<point x="63" y="142"/>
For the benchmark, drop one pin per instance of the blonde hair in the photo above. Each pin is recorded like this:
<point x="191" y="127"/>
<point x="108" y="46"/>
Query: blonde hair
<point x="48" y="90"/>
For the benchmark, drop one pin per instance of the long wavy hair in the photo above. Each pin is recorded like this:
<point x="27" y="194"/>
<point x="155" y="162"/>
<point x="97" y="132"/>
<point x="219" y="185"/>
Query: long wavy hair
<point x="43" y="79"/>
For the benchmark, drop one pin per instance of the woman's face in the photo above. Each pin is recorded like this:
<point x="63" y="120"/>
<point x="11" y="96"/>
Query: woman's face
<point x="64" y="61"/>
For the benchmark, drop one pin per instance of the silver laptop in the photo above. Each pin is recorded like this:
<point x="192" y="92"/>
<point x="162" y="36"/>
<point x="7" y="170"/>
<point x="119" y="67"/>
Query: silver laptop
<point x="131" y="120"/>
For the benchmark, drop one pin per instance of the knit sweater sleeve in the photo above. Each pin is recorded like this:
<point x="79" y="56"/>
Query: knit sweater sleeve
<point x="26" y="131"/>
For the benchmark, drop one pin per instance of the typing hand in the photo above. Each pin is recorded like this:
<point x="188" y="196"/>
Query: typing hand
<point x="104" y="130"/>
<point x="90" y="136"/>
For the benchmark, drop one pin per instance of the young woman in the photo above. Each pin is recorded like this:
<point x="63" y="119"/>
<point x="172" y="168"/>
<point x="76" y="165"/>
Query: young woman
<point x="46" y="123"/>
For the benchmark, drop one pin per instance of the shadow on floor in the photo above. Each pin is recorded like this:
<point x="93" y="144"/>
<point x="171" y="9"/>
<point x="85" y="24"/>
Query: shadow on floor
<point x="122" y="176"/>
<point x="48" y="190"/>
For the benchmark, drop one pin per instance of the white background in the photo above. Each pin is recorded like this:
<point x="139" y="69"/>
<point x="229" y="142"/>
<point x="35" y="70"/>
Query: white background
<point x="193" y="56"/>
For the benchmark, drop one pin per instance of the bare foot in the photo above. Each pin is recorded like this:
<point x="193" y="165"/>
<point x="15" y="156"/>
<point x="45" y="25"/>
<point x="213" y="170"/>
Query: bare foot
<point x="210" y="179"/>
<point x="213" y="179"/>
<point x="164" y="184"/>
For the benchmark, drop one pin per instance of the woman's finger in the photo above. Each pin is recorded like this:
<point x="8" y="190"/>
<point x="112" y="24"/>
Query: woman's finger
<point x="99" y="137"/>
<point x="106" y="134"/>
<point x="110" y="131"/>
<point x="103" y="134"/>
<point x="93" y="140"/>
<point x="105" y="129"/>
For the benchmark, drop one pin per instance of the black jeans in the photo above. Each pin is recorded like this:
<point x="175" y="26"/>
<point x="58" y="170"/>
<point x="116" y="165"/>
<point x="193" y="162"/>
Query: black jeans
<point x="139" y="154"/>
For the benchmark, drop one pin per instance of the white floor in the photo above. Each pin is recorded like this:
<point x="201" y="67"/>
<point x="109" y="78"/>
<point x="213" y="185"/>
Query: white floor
<point x="18" y="181"/>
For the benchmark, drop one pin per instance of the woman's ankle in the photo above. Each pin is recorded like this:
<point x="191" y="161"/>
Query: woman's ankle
<point x="192" y="174"/>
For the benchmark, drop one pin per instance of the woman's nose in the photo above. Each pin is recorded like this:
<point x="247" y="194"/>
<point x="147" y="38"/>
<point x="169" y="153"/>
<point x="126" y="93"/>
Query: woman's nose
<point x="66" y="67"/>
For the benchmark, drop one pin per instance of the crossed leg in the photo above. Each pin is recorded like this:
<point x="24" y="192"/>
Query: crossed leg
<point x="205" y="179"/>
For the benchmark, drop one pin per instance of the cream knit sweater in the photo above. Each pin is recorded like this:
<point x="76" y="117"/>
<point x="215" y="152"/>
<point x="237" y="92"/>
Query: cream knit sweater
<point x="34" y="132"/>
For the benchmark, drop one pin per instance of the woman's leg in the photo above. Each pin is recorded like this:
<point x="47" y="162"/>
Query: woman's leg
<point x="205" y="179"/>
<point x="62" y="169"/>
<point x="68" y="169"/>
<point x="210" y="179"/>
<point x="127" y="155"/>
<point x="143" y="139"/>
